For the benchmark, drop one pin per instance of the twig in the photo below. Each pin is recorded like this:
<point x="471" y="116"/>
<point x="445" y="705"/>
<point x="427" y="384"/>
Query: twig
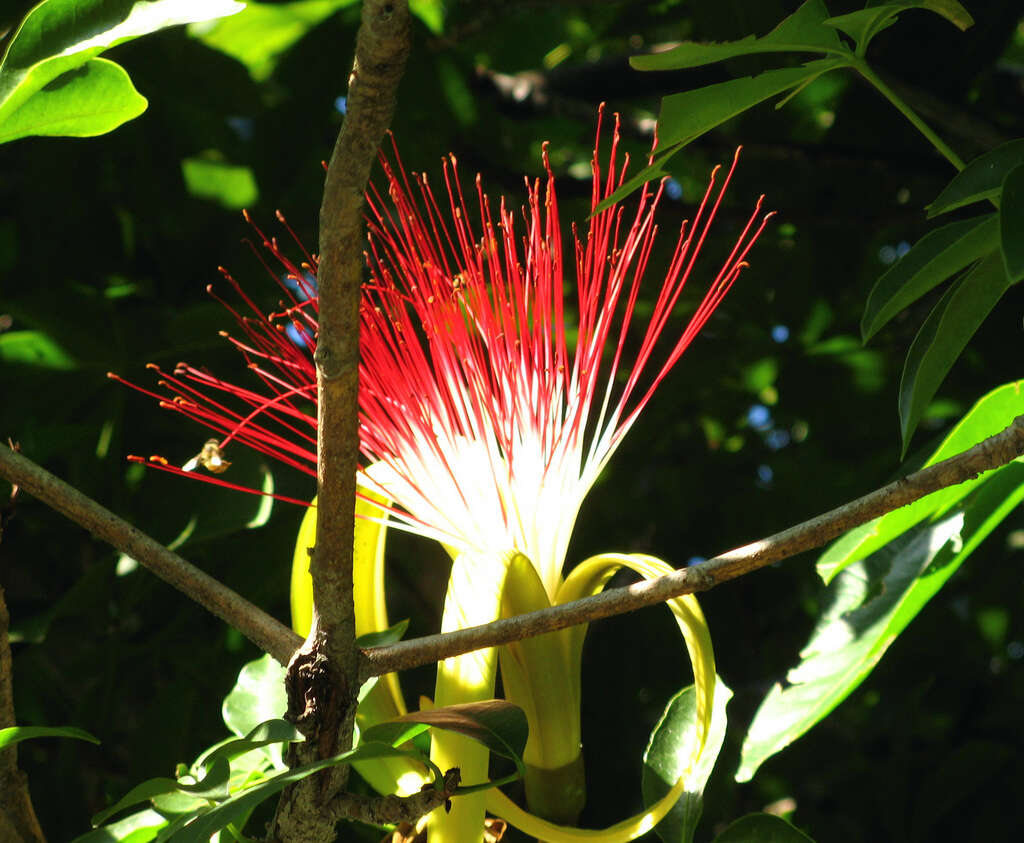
<point x="992" y="453"/>
<point x="322" y="679"/>
<point x="267" y="633"/>
<point x="393" y="809"/>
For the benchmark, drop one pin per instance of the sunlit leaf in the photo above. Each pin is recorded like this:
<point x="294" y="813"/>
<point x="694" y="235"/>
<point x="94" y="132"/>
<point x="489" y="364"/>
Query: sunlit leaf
<point x="669" y="753"/>
<point x="139" y="827"/>
<point x="762" y="828"/>
<point x="15" y="734"/>
<point x="981" y="179"/>
<point x="1011" y="224"/>
<point x="991" y="414"/>
<point x="258" y="696"/>
<point x="91" y="99"/>
<point x="34" y="348"/>
<point x="802" y="31"/>
<point x="231" y="185"/>
<point x="938" y="255"/>
<point x="952" y="322"/>
<point x="264" y="32"/>
<point x="867" y="606"/>
<point x="60" y="36"/>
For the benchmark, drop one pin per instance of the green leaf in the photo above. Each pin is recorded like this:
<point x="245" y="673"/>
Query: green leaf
<point x="802" y="31"/>
<point x="258" y="697"/>
<point x="140" y="827"/>
<point x="762" y="828"/>
<point x="497" y="724"/>
<point x="431" y="12"/>
<point x="867" y="606"/>
<point x="15" y="734"/>
<point x="1011" y="224"/>
<point x="865" y="24"/>
<point x="934" y="258"/>
<point x="981" y="179"/>
<point x="392" y="635"/>
<point x="90" y="100"/>
<point x="58" y="36"/>
<point x="140" y="793"/>
<point x="34" y="348"/>
<point x="264" y="32"/>
<point x="668" y="754"/>
<point x="231" y="185"/>
<point x="952" y="322"/>
<point x="689" y="114"/>
<point x="271" y="732"/>
<point x="240" y="804"/>
<point x="990" y="415"/>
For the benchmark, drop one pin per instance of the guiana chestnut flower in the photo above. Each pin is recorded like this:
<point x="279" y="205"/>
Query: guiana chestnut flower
<point x="501" y="366"/>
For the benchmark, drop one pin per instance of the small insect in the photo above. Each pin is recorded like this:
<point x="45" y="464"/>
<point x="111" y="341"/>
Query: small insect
<point x="209" y="458"/>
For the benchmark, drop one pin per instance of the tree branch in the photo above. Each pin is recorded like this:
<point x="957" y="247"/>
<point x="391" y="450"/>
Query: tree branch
<point x="267" y="633"/>
<point x="18" y="823"/>
<point x="992" y="453"/>
<point x="323" y="676"/>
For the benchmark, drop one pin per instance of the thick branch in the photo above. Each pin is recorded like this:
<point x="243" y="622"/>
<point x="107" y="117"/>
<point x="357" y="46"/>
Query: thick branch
<point x="323" y="677"/>
<point x="18" y="823"/>
<point x="992" y="453"/>
<point x="265" y="632"/>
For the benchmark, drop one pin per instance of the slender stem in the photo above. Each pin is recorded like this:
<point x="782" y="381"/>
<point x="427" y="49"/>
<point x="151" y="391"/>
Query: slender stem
<point x="865" y="70"/>
<point x="267" y="633"/>
<point x="992" y="453"/>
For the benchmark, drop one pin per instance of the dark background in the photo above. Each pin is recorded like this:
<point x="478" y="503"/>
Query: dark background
<point x="104" y="249"/>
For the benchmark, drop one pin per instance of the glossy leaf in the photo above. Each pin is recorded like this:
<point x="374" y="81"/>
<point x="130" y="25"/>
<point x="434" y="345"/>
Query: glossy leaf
<point x="140" y="793"/>
<point x="271" y="732"/>
<point x="802" y="31"/>
<point x="90" y="100"/>
<point x="689" y="114"/>
<point x="139" y="827"/>
<point x="991" y="414"/>
<point x="981" y="179"/>
<point x="258" y="696"/>
<point x="935" y="257"/>
<point x="240" y="804"/>
<point x="867" y="606"/>
<point x="60" y="36"/>
<point x="16" y="734"/>
<point x="668" y="756"/>
<point x="1011" y="224"/>
<point x="762" y="828"/>
<point x="952" y="322"/>
<point x="264" y="32"/>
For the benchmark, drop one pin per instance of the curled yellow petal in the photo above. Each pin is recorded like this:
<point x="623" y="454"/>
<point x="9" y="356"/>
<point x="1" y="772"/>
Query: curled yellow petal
<point x="501" y="806"/>
<point x="590" y="577"/>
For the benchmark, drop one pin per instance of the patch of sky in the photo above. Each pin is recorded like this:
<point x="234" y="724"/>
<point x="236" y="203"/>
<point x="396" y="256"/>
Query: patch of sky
<point x="341" y="105"/>
<point x="889" y="253"/>
<point x="759" y="417"/>
<point x="780" y="333"/>
<point x="673" y="190"/>
<point x="242" y="126"/>
<point x="777" y="439"/>
<point x="765" y="475"/>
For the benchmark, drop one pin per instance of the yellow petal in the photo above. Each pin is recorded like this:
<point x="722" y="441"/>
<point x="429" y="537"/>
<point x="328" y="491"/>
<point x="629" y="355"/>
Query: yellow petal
<point x="590" y="577"/>
<point x="474" y="597"/>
